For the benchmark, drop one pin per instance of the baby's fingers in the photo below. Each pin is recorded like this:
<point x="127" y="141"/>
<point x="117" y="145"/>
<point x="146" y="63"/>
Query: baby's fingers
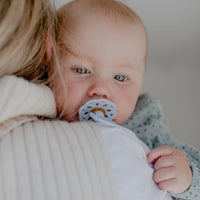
<point x="164" y="161"/>
<point x="164" y="174"/>
<point x="171" y="185"/>
<point x="154" y="154"/>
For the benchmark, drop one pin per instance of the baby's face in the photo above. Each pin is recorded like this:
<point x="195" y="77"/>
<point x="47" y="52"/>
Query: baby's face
<point x="106" y="59"/>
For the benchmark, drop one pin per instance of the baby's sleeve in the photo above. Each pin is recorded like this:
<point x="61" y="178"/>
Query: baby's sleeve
<point x="149" y="124"/>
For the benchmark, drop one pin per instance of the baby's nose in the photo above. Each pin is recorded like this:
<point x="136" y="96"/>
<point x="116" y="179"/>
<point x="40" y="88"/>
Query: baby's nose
<point x="100" y="89"/>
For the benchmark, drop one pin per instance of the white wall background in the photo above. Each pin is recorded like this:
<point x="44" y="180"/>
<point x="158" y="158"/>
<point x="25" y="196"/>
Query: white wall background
<point x="173" y="69"/>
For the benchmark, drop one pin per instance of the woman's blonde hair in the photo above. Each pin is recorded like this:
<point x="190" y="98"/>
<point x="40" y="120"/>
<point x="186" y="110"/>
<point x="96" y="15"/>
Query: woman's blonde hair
<point x="24" y="26"/>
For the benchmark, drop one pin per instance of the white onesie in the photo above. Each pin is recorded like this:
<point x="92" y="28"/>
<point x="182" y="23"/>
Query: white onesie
<point x="127" y="154"/>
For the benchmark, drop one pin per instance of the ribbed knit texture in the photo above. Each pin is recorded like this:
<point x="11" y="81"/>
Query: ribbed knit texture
<point x="48" y="159"/>
<point x="21" y="97"/>
<point x="54" y="160"/>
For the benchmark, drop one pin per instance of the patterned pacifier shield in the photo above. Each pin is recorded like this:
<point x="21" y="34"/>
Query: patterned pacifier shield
<point x="100" y="107"/>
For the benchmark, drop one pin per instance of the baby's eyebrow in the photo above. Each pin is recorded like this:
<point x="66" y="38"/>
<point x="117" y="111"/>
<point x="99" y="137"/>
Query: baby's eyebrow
<point x="127" y="65"/>
<point x="79" y="56"/>
<point x="68" y="50"/>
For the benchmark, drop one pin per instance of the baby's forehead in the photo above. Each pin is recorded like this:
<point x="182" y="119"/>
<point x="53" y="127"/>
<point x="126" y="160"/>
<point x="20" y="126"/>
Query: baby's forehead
<point x="78" y="13"/>
<point x="75" y="11"/>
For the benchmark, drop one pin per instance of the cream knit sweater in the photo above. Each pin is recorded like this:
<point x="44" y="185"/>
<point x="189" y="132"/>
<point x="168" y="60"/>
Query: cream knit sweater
<point x="48" y="159"/>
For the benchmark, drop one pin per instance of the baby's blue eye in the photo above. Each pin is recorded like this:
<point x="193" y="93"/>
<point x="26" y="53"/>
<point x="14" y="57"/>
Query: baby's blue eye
<point x="82" y="70"/>
<point x="120" y="78"/>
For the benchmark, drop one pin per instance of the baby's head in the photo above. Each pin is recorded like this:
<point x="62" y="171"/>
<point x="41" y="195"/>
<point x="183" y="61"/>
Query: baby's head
<point x="102" y="52"/>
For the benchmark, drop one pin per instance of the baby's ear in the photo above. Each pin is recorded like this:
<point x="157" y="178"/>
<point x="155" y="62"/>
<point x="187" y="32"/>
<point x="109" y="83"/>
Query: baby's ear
<point x="49" y="46"/>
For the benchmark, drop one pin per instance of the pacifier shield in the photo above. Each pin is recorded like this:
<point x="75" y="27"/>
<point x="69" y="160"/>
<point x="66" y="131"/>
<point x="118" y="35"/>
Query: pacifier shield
<point x="102" y="108"/>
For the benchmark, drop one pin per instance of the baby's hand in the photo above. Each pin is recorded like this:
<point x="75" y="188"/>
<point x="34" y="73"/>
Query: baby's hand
<point x="172" y="171"/>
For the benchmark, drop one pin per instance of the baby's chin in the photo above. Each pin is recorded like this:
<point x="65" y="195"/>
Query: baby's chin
<point x="121" y="120"/>
<point x="118" y="121"/>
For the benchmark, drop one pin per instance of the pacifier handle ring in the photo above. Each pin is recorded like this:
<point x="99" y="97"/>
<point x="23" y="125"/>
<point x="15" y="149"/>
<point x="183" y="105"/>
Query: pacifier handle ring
<point x="99" y="110"/>
<point x="101" y="107"/>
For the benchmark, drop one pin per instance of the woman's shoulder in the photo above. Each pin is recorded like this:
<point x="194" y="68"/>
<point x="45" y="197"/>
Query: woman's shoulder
<point x="47" y="153"/>
<point x="21" y="97"/>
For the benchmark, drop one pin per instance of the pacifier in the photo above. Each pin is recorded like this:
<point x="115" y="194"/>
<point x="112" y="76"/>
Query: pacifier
<point x="101" y="108"/>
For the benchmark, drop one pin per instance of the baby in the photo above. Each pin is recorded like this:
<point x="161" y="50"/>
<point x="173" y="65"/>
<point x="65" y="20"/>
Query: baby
<point x="102" y="53"/>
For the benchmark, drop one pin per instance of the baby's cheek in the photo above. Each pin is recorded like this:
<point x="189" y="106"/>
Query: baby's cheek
<point x="60" y="97"/>
<point x="59" y="102"/>
<point x="125" y="110"/>
<point x="123" y="114"/>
